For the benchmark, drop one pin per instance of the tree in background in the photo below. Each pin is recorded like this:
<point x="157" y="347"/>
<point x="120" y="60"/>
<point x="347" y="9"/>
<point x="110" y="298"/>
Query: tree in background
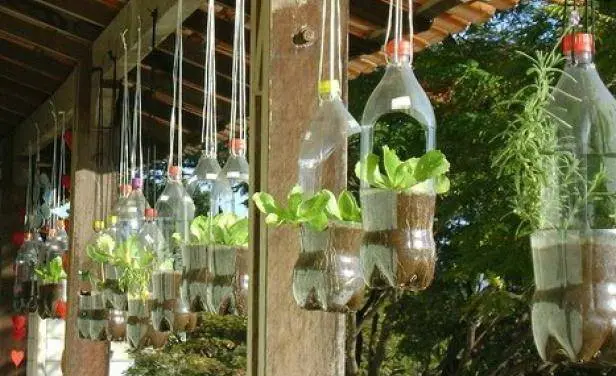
<point x="475" y="319"/>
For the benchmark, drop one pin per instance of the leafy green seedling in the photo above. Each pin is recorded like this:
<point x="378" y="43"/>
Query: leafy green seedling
<point x="402" y="176"/>
<point x="299" y="210"/>
<point x="345" y="208"/>
<point x="53" y="272"/>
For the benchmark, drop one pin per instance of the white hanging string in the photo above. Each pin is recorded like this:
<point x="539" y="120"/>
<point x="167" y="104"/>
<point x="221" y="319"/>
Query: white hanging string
<point x="62" y="164"/>
<point x="398" y="36"/>
<point x="176" y="118"/>
<point x="238" y="92"/>
<point x="208" y="126"/>
<point x="54" y="166"/>
<point x="335" y="40"/>
<point x="29" y="211"/>
<point x="137" y="155"/>
<point x="124" y="133"/>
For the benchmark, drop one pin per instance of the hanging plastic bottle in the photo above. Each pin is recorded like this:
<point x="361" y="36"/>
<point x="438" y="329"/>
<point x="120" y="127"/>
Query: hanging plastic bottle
<point x="398" y="248"/>
<point x="231" y="187"/>
<point x="25" y="286"/>
<point x="130" y="213"/>
<point x="113" y="295"/>
<point x="124" y="191"/>
<point x="175" y="208"/>
<point x="201" y="186"/>
<point x="328" y="130"/>
<point x="574" y="256"/>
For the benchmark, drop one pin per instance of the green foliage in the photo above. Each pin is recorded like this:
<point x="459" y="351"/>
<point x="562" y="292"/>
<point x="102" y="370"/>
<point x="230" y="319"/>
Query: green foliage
<point x="223" y="229"/>
<point x="98" y="251"/>
<point x="299" y="210"/>
<point x="52" y="272"/>
<point x="345" y="208"/>
<point x="216" y="348"/>
<point x="410" y="174"/>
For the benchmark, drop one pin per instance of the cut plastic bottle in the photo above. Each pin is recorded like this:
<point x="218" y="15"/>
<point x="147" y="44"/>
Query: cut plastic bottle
<point x="175" y="207"/>
<point x="574" y="252"/>
<point x="201" y="186"/>
<point x="25" y="285"/>
<point x="130" y="212"/>
<point x="232" y="184"/>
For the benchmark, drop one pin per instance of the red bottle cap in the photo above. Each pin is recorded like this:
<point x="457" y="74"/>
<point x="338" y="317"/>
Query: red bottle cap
<point x="174" y="171"/>
<point x="125" y="189"/>
<point x="567" y="44"/>
<point x="583" y="42"/>
<point x="404" y="47"/>
<point x="150" y="213"/>
<point x="237" y="144"/>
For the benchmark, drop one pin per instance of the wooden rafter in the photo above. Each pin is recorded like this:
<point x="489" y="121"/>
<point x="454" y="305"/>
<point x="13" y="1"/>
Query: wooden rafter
<point x="92" y="11"/>
<point x="35" y="59"/>
<point x="13" y="85"/>
<point x="42" y="36"/>
<point x="59" y="21"/>
<point x="26" y="77"/>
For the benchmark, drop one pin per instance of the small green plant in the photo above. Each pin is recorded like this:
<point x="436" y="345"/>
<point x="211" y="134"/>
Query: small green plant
<point x="345" y="208"/>
<point x="98" y="251"/>
<point x="402" y="176"/>
<point x="52" y="272"/>
<point x="222" y="229"/>
<point x="135" y="265"/>
<point x="298" y="211"/>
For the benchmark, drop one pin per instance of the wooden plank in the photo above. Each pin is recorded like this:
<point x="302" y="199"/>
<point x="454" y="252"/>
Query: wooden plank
<point x="44" y="37"/>
<point x="16" y="105"/>
<point x="10" y="116"/>
<point x="15" y="87"/>
<point x="284" y="99"/>
<point x="224" y="28"/>
<point x="28" y="77"/>
<point x="52" y="17"/>
<point x="82" y="357"/>
<point x="94" y="12"/>
<point x="35" y="58"/>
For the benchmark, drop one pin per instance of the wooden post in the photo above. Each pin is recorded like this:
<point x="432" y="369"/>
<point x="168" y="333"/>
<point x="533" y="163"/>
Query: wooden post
<point x="82" y="357"/>
<point x="285" y="340"/>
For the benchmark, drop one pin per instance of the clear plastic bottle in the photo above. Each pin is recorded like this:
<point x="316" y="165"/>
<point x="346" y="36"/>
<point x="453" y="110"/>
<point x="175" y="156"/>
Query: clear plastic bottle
<point x="328" y="130"/>
<point x="232" y="184"/>
<point x="54" y="245"/>
<point x="201" y="186"/>
<point x="113" y="295"/>
<point x="25" y="286"/>
<point x="175" y="207"/>
<point x="398" y="248"/>
<point x="124" y="191"/>
<point x="574" y="255"/>
<point x="130" y="213"/>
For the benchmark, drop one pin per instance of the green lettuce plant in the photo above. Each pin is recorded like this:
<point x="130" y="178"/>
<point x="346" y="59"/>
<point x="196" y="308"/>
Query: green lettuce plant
<point x="315" y="211"/>
<point x="52" y="272"/>
<point x="404" y="176"/>
<point x="221" y="229"/>
<point x="134" y="263"/>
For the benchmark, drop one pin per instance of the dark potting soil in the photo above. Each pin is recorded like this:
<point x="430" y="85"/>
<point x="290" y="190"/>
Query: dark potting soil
<point x="185" y="321"/>
<point x="116" y="325"/>
<point x="412" y="240"/>
<point x="592" y="300"/>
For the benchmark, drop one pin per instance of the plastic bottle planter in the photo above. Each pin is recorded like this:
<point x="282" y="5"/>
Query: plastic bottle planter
<point x="166" y="291"/>
<point x="112" y="294"/>
<point x="92" y="320"/>
<point x="228" y="282"/>
<point x="398" y="247"/>
<point x="196" y="269"/>
<point x="328" y="275"/>
<point x="25" y="299"/>
<point x="50" y="295"/>
<point x="158" y="339"/>
<point x="573" y="310"/>
<point x="138" y="323"/>
<point x="116" y="325"/>
<point x="184" y="320"/>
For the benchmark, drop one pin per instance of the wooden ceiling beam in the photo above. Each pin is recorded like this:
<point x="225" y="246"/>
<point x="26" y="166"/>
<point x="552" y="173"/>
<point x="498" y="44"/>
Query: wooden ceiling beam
<point x="52" y="17"/>
<point x="15" y="86"/>
<point x="10" y="116"/>
<point x="44" y="37"/>
<point x="34" y="58"/>
<point x="224" y="29"/>
<point x="17" y="106"/>
<point x="32" y="79"/>
<point x="94" y="12"/>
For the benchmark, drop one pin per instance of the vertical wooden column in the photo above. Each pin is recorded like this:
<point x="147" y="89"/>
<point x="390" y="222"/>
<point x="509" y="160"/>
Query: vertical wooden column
<point x="82" y="357"/>
<point x="285" y="340"/>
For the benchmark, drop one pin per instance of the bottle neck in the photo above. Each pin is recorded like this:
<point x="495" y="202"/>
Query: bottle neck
<point x="584" y="57"/>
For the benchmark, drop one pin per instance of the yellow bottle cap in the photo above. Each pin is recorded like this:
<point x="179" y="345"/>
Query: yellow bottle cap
<point x="329" y="87"/>
<point x="112" y="220"/>
<point x="98" y="225"/>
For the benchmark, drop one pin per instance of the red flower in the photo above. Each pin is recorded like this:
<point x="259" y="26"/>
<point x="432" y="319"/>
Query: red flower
<point x="61" y="309"/>
<point x="19" y="321"/>
<point x="19" y="334"/>
<point x="68" y="138"/>
<point x="18" y="238"/>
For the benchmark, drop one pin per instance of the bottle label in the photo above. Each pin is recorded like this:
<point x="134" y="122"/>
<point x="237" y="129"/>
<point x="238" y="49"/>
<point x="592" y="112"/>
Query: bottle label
<point x="401" y="103"/>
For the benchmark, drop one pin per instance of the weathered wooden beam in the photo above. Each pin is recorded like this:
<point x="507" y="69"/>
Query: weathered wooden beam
<point x="35" y="59"/>
<point x="16" y="105"/>
<point x="11" y="117"/>
<point x="30" y="78"/>
<point x="224" y="28"/>
<point x="82" y="357"/>
<point x="128" y="19"/>
<point x="41" y="35"/>
<point x="54" y="18"/>
<point x="94" y="12"/>
<point x="284" y="98"/>
<point x="15" y="87"/>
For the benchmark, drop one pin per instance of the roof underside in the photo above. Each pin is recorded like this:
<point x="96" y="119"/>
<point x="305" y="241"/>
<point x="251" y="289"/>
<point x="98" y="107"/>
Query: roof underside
<point x="41" y="42"/>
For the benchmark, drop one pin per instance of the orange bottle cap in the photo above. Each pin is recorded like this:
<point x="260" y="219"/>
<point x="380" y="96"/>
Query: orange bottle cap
<point x="583" y="42"/>
<point x="404" y="47"/>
